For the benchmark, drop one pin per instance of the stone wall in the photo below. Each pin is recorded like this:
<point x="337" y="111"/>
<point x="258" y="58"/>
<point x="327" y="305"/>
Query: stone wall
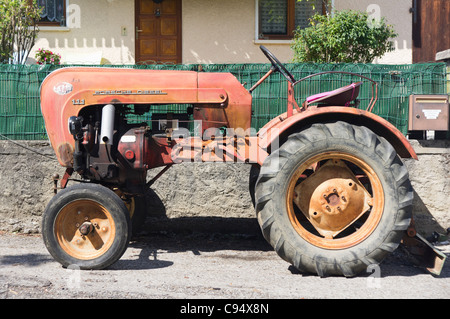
<point x="199" y="197"/>
<point x="430" y="177"/>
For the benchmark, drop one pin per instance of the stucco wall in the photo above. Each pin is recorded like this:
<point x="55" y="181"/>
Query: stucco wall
<point x="224" y="32"/>
<point x="397" y="14"/>
<point x="94" y="29"/>
<point x="213" y="31"/>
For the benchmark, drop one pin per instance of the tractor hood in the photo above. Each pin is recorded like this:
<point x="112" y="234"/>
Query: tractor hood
<point x="66" y="91"/>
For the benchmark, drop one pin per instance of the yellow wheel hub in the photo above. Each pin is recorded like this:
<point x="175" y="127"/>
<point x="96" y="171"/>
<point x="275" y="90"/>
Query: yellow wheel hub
<point x="84" y="229"/>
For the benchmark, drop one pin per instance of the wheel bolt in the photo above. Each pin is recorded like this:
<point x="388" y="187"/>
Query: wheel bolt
<point x="86" y="228"/>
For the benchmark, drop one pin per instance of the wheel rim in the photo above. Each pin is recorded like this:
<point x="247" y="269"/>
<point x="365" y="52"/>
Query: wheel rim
<point x="84" y="229"/>
<point x="335" y="200"/>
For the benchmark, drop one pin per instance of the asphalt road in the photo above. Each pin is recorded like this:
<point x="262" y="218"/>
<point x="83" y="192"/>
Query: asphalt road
<point x="210" y="266"/>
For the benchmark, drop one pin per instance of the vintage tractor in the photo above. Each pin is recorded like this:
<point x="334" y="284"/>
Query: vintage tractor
<point x="330" y="191"/>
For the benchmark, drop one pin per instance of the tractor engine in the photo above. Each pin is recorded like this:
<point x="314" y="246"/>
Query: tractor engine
<point x="110" y="150"/>
<point x="104" y="146"/>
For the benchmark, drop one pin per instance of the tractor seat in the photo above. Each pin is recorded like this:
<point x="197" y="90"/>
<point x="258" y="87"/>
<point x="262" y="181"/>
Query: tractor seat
<point x="340" y="97"/>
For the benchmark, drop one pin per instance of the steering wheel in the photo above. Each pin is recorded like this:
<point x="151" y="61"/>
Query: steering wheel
<point x="277" y="65"/>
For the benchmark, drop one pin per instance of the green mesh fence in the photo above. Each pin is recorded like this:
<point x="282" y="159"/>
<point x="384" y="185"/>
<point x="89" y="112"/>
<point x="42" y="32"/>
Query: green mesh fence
<point x="21" y="119"/>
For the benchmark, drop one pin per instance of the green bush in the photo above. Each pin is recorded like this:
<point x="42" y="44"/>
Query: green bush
<point x="344" y="37"/>
<point x="18" y="29"/>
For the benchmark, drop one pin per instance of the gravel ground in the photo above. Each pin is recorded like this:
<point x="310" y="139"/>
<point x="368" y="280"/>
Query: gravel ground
<point x="215" y="266"/>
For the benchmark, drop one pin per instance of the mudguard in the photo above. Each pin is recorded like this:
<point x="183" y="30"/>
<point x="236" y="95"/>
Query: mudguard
<point x="284" y="125"/>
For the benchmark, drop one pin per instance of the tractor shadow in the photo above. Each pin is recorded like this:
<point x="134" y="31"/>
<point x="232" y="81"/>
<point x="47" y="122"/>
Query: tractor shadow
<point x="426" y="224"/>
<point x="191" y="234"/>
<point x="215" y="234"/>
<point x="158" y="232"/>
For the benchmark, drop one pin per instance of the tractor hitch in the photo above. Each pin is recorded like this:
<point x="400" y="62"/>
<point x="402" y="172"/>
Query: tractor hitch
<point x="422" y="252"/>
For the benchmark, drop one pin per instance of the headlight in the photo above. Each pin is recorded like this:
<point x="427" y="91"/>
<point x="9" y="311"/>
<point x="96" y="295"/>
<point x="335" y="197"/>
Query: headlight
<point x="75" y="126"/>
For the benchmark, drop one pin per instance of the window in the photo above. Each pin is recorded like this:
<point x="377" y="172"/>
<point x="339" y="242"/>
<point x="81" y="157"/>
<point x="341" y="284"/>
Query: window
<point x="53" y="12"/>
<point x="278" y="19"/>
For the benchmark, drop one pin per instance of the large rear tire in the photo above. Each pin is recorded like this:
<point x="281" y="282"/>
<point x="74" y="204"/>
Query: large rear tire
<point x="334" y="199"/>
<point x="86" y="225"/>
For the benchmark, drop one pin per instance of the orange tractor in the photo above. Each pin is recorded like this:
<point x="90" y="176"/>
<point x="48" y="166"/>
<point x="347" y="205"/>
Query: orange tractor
<point x="330" y="191"/>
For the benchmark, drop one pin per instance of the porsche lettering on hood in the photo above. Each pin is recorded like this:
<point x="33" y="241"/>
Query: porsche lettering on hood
<point x="129" y="92"/>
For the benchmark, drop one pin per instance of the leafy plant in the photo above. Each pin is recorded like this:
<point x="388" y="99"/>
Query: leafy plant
<point x="47" y="57"/>
<point x="344" y="37"/>
<point x="18" y="29"/>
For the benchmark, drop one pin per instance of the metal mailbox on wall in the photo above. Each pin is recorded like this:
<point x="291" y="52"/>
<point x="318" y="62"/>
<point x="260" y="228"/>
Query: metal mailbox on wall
<point x="428" y="112"/>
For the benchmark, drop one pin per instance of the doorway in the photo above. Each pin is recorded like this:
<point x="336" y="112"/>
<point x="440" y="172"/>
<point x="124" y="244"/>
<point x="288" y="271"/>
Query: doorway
<point x="431" y="33"/>
<point x="158" y="31"/>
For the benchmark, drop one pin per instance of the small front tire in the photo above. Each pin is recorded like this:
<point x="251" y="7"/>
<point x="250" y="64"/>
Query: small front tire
<point x="86" y="225"/>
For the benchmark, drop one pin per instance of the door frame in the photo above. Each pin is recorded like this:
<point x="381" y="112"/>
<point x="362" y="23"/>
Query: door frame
<point x="425" y="43"/>
<point x="179" y="31"/>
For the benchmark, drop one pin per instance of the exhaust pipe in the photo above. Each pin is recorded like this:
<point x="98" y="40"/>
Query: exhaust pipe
<point x="107" y="128"/>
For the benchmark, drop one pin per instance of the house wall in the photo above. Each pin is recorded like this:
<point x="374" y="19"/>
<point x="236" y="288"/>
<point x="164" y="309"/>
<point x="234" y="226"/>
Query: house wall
<point x="93" y="32"/>
<point x="224" y="33"/>
<point x="214" y="31"/>
<point x="397" y="14"/>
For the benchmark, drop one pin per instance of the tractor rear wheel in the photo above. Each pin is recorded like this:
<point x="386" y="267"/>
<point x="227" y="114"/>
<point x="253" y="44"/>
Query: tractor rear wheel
<point x="253" y="177"/>
<point x="86" y="225"/>
<point x="334" y="199"/>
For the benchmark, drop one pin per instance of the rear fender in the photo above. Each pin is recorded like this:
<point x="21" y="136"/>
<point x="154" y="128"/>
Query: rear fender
<point x="283" y="126"/>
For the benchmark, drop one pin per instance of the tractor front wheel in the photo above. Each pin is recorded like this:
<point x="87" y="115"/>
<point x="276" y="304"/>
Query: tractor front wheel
<point x="334" y="199"/>
<point x="86" y="225"/>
